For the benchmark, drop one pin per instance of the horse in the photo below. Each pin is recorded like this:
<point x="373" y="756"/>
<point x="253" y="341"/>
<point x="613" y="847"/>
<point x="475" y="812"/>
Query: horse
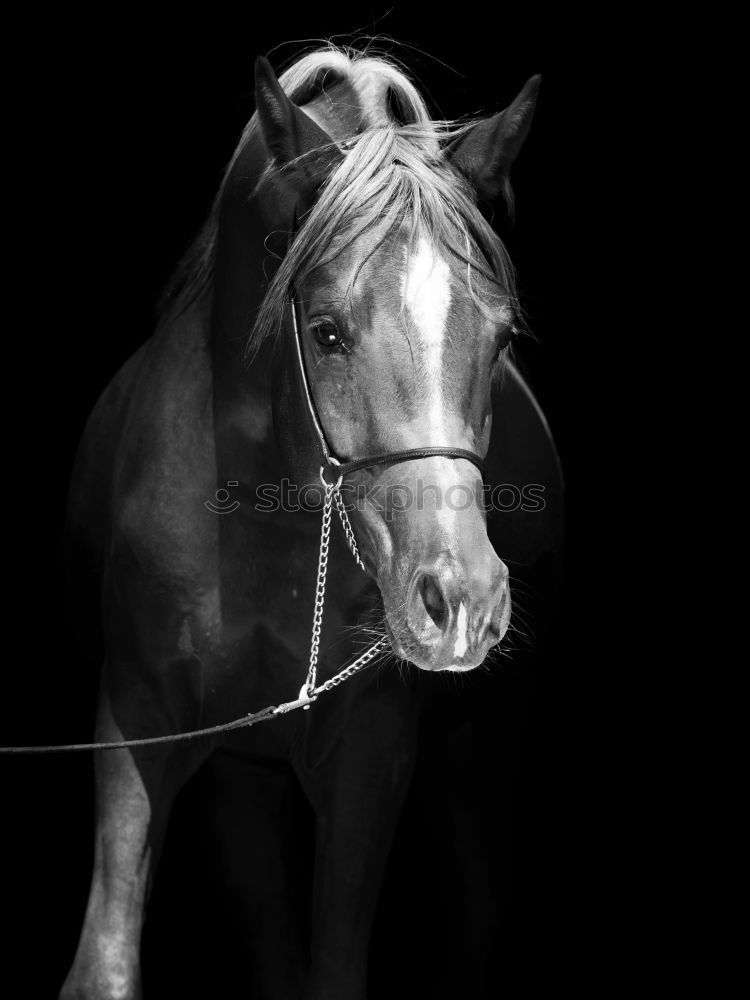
<point x="344" y="319"/>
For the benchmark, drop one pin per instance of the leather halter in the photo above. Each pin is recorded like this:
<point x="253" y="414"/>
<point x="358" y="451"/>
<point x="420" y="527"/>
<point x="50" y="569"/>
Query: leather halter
<point x="344" y="467"/>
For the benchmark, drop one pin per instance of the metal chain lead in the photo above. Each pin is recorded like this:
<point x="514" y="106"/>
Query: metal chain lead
<point x="353" y="668"/>
<point x="320" y="590"/>
<point x="346" y="525"/>
<point x="332" y="495"/>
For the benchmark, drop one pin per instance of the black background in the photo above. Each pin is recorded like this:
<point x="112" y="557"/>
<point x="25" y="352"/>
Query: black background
<point x="118" y="133"/>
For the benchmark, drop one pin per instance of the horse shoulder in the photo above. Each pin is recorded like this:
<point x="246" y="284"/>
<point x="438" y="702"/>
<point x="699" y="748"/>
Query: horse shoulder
<point x="146" y="460"/>
<point x="164" y="464"/>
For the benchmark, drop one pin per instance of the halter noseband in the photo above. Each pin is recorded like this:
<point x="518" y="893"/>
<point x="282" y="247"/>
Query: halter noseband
<point x="343" y="468"/>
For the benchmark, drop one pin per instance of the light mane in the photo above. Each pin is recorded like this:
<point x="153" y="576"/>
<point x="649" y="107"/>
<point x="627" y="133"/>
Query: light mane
<point x="392" y="176"/>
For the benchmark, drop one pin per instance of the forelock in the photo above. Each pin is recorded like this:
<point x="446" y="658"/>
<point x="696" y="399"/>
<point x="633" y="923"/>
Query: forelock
<point x="392" y="180"/>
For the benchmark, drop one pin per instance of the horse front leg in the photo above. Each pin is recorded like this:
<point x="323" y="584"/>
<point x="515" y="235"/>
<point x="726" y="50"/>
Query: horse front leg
<point x="134" y="794"/>
<point x="255" y="807"/>
<point x="357" y="791"/>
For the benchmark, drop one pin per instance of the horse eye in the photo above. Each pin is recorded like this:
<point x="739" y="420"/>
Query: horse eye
<point x="504" y="341"/>
<point x="326" y="334"/>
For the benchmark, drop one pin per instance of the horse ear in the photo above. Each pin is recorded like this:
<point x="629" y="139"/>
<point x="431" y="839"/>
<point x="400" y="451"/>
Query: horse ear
<point x="292" y="138"/>
<point x="486" y="152"/>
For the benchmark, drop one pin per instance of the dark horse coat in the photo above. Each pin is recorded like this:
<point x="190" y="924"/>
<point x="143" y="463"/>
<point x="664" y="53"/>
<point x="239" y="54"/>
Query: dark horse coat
<point x="201" y="616"/>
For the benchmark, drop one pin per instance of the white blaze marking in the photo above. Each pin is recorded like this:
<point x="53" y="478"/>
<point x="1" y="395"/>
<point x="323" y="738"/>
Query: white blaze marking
<point x="425" y="287"/>
<point x="462" y="639"/>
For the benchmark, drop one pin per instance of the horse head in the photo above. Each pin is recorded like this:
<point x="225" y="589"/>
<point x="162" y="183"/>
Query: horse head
<point x="405" y="306"/>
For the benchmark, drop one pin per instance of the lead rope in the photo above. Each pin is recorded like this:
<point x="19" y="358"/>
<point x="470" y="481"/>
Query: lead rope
<point x="309" y="691"/>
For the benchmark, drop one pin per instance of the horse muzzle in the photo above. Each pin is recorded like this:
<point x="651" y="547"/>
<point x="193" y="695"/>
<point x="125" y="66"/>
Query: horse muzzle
<point x="454" y="615"/>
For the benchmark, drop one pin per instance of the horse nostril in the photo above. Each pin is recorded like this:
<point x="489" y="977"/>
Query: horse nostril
<point x="433" y="600"/>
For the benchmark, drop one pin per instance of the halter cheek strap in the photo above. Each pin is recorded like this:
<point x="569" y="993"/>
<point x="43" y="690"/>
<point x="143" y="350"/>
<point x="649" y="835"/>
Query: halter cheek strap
<point x="343" y="468"/>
